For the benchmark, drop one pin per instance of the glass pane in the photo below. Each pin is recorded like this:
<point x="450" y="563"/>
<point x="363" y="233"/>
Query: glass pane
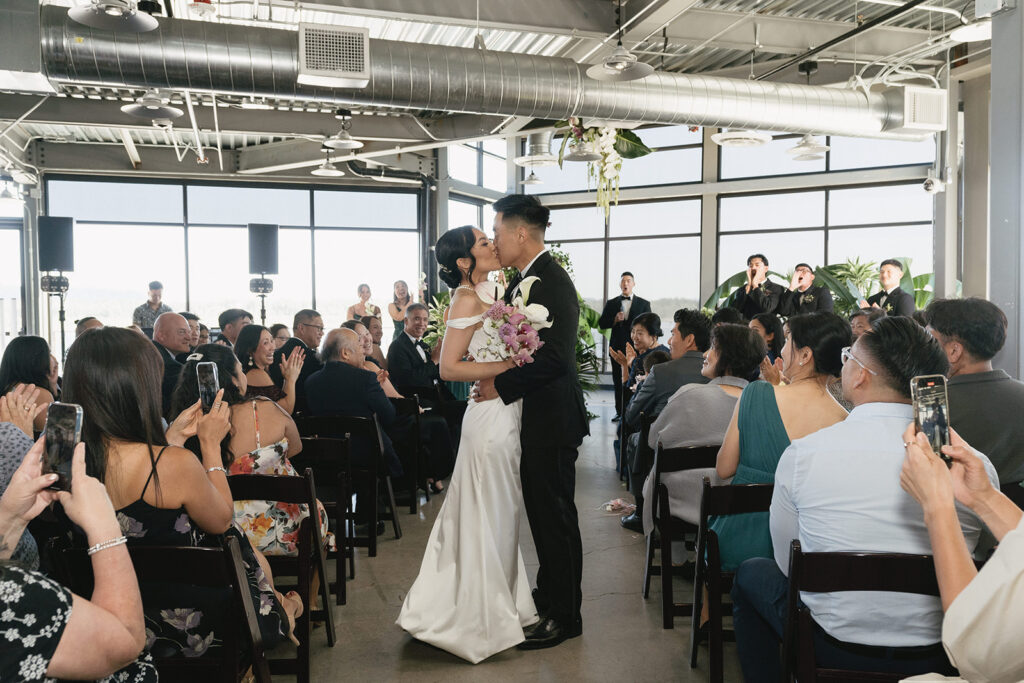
<point x="11" y="209"/>
<point x="10" y="285"/>
<point x="498" y="147"/>
<point x="345" y="259"/>
<point x="574" y="224"/>
<point x="494" y="174"/>
<point x="769" y="159"/>
<point x="667" y="273"/>
<point x="462" y="163"/>
<point x="217" y="205"/>
<point x="655" y="218"/>
<point x="293" y="286"/>
<point x="218" y="267"/>
<point x="669" y="136"/>
<point x="92" y="201"/>
<point x="772" y="211"/>
<point x="868" y="153"/>
<point x="783" y="250"/>
<point x="461" y="213"/>
<point x="877" y="244"/>
<point x="891" y="204"/>
<point x="661" y="168"/>
<point x="488" y="223"/>
<point x="571" y="178"/>
<point x="347" y="209"/>
<point x="587" y="259"/>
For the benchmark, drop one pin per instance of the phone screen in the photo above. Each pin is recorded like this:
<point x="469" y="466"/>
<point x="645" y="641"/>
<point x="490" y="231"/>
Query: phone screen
<point x="63" y="430"/>
<point x="931" y="411"/>
<point x="209" y="384"/>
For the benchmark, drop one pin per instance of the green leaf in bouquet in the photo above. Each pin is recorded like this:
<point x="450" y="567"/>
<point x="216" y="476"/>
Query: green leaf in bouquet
<point x="629" y="145"/>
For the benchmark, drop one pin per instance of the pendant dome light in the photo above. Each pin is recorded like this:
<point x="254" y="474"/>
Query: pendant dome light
<point x="113" y="15"/>
<point x="621" y="64"/>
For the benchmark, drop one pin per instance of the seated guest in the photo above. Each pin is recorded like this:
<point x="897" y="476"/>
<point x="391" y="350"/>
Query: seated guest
<point x="366" y="343"/>
<point x="231" y="323"/>
<point x="891" y="299"/>
<point x="85" y="324"/>
<point x="699" y="414"/>
<point x="164" y="495"/>
<point x="193" y="342"/>
<point x="983" y="621"/>
<point x="204" y="334"/>
<point x="255" y="350"/>
<point x="921" y="318"/>
<point x="985" y="405"/>
<point x="803" y="296"/>
<point x="309" y="330"/>
<point x="376" y="328"/>
<point x="18" y="409"/>
<point x="838" y="490"/>
<point x="727" y="316"/>
<point x="280" y="334"/>
<point x="27" y="360"/>
<point x="49" y="632"/>
<point x="769" y="327"/>
<point x="759" y="295"/>
<point x="262" y="440"/>
<point x="862" y="320"/>
<point x="644" y="334"/>
<point x="768" y="418"/>
<point x="171" y="334"/>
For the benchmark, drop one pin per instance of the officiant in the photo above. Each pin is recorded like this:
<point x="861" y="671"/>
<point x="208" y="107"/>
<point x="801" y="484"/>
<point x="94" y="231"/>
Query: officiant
<point x="618" y="315"/>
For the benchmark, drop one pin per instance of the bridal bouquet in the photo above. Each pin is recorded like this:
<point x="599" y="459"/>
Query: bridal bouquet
<point x="512" y="329"/>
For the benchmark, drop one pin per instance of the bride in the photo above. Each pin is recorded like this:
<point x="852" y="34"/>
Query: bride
<point x="472" y="596"/>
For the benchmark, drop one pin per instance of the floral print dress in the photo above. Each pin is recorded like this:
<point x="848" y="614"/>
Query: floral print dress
<point x="35" y="612"/>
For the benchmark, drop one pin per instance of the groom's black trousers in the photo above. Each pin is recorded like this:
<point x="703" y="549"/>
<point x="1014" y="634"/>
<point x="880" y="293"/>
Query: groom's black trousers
<point x="549" y="490"/>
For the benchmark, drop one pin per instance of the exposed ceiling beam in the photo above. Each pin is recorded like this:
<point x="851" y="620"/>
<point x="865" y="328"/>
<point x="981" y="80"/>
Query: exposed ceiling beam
<point x="296" y="154"/>
<point x="129" y="147"/>
<point x="640" y="21"/>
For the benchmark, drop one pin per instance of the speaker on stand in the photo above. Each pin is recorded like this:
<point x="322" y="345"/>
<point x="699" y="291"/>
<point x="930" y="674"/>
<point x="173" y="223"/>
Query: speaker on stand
<point x="56" y="254"/>
<point x="262" y="260"/>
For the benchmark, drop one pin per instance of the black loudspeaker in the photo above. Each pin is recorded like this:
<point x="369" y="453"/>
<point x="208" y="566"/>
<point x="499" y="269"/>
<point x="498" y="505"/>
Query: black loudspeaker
<point x="262" y="248"/>
<point x="56" y="243"/>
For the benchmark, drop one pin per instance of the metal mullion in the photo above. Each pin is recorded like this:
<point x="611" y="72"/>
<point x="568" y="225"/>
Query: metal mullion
<point x="185" y="226"/>
<point x="312" y="247"/>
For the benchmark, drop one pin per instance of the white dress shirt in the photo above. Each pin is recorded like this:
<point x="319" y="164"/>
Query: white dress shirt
<point x="416" y="344"/>
<point x="529" y="265"/>
<point x="838" y="490"/>
<point x="627" y="303"/>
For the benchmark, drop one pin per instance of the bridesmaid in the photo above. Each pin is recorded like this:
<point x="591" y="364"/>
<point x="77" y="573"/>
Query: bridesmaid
<point x="362" y="307"/>
<point x="396" y="309"/>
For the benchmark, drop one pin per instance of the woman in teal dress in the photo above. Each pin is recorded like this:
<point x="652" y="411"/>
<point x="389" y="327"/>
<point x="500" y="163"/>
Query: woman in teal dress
<point x="768" y="418"/>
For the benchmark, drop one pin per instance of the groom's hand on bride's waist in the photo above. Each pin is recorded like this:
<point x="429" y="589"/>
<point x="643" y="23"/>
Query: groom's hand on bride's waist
<point x="484" y="390"/>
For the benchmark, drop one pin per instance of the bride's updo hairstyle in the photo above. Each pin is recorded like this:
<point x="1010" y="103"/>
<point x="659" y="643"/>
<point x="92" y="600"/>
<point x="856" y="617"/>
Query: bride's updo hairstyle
<point x="452" y="246"/>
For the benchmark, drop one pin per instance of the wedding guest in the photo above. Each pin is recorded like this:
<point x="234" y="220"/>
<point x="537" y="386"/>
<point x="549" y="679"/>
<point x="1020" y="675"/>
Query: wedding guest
<point x="255" y="350"/>
<point x="27" y="360"/>
<point x="397" y="308"/>
<point x="644" y="335"/>
<point x="891" y="299"/>
<point x="18" y="409"/>
<point x="145" y="315"/>
<point x="363" y="306"/>
<point x="171" y="335"/>
<point x="280" y="334"/>
<point x="727" y="316"/>
<point x="802" y="296"/>
<point x="618" y="316"/>
<point x="193" y="342"/>
<point x="231" y="323"/>
<point x="369" y="364"/>
<point x="85" y="324"/>
<point x="759" y="295"/>
<point x="862" y="320"/>
<point x="411" y="362"/>
<point x="769" y="328"/>
<point x="308" y="327"/>
<point x="376" y="328"/>
<point x="204" y="335"/>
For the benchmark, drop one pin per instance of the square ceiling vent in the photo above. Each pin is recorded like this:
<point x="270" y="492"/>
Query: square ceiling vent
<point x="334" y="57"/>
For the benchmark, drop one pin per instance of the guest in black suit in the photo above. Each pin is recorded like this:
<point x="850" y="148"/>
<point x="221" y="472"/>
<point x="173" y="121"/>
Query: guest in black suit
<point x="618" y="315"/>
<point x="759" y="295"/>
<point x="171" y="335"/>
<point x="803" y="296"/>
<point x="308" y="328"/>
<point x="892" y="299"/>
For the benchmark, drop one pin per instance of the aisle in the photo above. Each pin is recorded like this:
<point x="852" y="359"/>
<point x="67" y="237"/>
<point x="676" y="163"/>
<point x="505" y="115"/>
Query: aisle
<point x="622" y="639"/>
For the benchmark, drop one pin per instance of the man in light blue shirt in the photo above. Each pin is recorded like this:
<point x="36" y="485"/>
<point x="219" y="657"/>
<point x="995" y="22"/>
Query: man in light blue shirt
<point x="838" y="490"/>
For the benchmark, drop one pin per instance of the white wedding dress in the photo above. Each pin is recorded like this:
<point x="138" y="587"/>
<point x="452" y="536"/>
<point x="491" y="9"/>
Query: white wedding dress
<point x="472" y="596"/>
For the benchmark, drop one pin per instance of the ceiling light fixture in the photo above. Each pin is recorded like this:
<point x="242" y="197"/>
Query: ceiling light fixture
<point x="741" y="138"/>
<point x="10" y="199"/>
<point x="113" y="15"/>
<point x="808" y="149"/>
<point x="980" y="29"/>
<point x="532" y="179"/>
<point x="327" y="169"/>
<point x="152" y="105"/>
<point x="538" y="151"/>
<point x="621" y="64"/>
<point x="582" y="151"/>
<point x="343" y="139"/>
<point x="254" y="104"/>
<point x="202" y="8"/>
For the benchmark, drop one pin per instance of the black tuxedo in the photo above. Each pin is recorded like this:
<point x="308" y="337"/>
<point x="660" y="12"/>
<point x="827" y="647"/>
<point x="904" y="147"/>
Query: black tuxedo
<point x="620" y="335"/>
<point x="762" y="299"/>
<point x="814" y="299"/>
<point x="553" y="426"/>
<point x="172" y="371"/>
<point x="897" y="303"/>
<point x="310" y="364"/>
<point x="411" y="374"/>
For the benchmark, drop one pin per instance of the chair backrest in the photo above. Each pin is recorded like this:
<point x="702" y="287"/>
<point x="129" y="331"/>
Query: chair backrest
<point x="643" y="450"/>
<point x="716" y="501"/>
<point x="409" y="405"/>
<point x="687" y="458"/>
<point x="347" y="426"/>
<point x="299" y="490"/>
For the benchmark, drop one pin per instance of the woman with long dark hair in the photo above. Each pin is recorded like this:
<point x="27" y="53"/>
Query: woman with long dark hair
<point x="27" y="360"/>
<point x="363" y="306"/>
<point x="769" y="327"/>
<point x="255" y="350"/>
<point x="396" y="309"/>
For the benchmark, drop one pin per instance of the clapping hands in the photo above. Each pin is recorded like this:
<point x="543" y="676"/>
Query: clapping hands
<point x="292" y="365"/>
<point x="772" y="372"/>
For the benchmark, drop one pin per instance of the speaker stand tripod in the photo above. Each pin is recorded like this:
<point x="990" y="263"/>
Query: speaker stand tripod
<point x="261" y="286"/>
<point x="57" y="285"/>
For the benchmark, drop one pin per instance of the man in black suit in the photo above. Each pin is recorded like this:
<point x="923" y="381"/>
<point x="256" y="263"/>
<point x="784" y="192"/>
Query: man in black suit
<point x="308" y="328"/>
<point x="803" y="296"/>
<point x="759" y="295"/>
<point x="171" y="335"/>
<point x="892" y="299"/>
<point x="554" y="419"/>
<point x="618" y="315"/>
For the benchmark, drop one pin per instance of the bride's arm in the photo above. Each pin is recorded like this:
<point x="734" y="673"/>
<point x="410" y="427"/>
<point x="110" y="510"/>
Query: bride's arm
<point x="456" y="344"/>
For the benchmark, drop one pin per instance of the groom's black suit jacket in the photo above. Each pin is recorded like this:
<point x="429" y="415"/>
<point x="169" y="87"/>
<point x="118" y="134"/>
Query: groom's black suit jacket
<point x="554" y="413"/>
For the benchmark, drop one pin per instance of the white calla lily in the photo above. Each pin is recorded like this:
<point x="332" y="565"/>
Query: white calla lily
<point x="537" y="315"/>
<point x="526" y="285"/>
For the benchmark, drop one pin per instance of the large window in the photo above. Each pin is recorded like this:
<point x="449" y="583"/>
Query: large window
<point x="10" y="283"/>
<point x="480" y="163"/>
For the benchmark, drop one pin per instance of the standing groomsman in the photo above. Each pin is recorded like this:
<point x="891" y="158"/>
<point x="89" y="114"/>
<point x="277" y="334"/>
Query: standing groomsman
<point x="892" y="299"/>
<point x="618" y="316"/>
<point x="759" y="295"/>
<point x="803" y="296"/>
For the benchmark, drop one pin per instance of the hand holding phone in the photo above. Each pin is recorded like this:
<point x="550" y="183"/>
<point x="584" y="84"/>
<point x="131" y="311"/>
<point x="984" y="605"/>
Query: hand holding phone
<point x="62" y="432"/>
<point x="931" y="411"/>
<point x="209" y="383"/>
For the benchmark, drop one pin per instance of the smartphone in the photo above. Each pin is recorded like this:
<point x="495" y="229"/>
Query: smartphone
<point x="62" y="431"/>
<point x="209" y="384"/>
<point x="931" y="411"/>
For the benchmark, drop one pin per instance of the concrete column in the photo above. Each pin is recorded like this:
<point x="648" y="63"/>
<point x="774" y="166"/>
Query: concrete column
<point x="709" y="220"/>
<point x="1006" y="153"/>
<point x="946" y="226"/>
<point x="31" y="296"/>
<point x="975" y="184"/>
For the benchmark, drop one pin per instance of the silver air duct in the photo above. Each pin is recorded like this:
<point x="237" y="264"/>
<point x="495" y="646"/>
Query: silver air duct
<point x="262" y="62"/>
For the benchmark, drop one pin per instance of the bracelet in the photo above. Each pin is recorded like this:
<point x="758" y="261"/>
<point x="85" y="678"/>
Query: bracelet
<point x="216" y="469"/>
<point x="107" y="544"/>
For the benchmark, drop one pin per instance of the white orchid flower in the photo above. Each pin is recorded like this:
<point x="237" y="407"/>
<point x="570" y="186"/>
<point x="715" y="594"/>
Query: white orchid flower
<point x="537" y="315"/>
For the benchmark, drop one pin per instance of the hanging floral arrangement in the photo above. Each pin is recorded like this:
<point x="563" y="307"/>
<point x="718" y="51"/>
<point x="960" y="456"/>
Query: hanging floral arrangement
<point x="605" y="147"/>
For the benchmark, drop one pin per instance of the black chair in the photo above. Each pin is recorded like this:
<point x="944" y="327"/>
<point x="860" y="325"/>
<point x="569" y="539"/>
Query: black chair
<point x="830" y="572"/>
<point x="410" y="407"/>
<point x="329" y="460"/>
<point x="310" y="556"/>
<point x="671" y="528"/>
<point x="717" y="501"/>
<point x="374" y="475"/>
<point x="219" y="568"/>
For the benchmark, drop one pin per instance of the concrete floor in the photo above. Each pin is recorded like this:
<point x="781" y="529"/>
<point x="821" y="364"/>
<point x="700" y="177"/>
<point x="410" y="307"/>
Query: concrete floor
<point x="622" y="639"/>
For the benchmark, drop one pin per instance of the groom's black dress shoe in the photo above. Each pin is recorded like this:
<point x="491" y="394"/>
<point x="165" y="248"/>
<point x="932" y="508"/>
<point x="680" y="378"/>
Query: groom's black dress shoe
<point x="633" y="522"/>
<point x="548" y="633"/>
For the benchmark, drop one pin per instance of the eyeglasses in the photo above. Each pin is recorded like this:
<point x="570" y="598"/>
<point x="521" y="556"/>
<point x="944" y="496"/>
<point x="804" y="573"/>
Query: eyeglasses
<point x="847" y="354"/>
<point x="318" y="328"/>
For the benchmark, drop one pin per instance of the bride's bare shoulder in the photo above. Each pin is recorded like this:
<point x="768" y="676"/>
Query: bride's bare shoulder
<point x="465" y="303"/>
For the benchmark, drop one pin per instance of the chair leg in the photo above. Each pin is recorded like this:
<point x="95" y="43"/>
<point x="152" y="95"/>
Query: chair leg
<point x="325" y="595"/>
<point x="698" y="607"/>
<point x="374" y="517"/>
<point x="304" y="624"/>
<point x="667" y="600"/>
<point x="392" y="507"/>
<point x="648" y="564"/>
<point x="715" y="631"/>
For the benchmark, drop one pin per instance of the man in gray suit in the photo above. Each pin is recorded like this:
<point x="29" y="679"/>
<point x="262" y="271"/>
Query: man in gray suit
<point x="690" y="338"/>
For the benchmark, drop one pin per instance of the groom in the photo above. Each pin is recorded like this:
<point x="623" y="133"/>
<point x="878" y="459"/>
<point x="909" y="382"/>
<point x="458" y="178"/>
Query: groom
<point x="554" y="419"/>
